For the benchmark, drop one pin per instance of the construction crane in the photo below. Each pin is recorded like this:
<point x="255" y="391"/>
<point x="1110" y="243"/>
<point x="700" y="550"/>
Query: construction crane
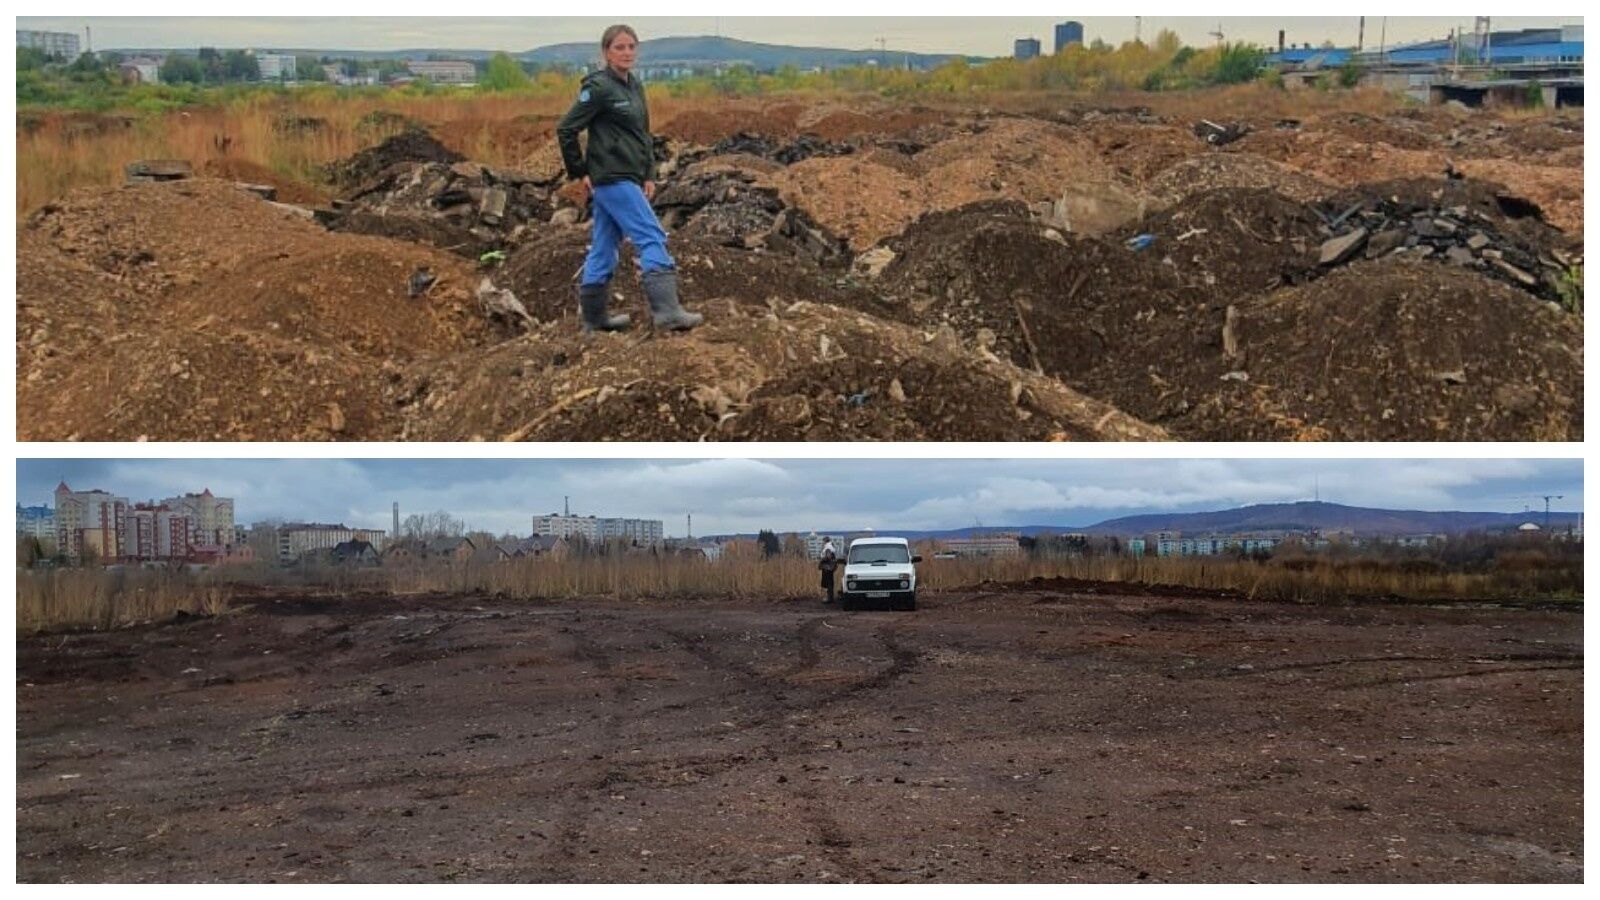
<point x="883" y="51"/>
<point x="1547" y="499"/>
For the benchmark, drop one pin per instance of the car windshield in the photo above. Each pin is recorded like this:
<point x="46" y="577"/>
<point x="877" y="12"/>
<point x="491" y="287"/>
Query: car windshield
<point x="865" y="554"/>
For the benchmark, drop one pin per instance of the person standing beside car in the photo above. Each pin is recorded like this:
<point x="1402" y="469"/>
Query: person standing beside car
<point x="828" y="562"/>
<point x="618" y="174"/>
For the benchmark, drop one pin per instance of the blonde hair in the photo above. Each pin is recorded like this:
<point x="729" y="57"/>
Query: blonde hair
<point x="611" y="34"/>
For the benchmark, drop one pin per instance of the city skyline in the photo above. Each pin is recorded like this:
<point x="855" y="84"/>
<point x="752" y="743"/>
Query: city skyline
<point x="745" y="495"/>
<point x="978" y="36"/>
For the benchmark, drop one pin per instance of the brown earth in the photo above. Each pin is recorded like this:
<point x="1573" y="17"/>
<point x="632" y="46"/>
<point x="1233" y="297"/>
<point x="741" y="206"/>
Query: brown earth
<point x="195" y="311"/>
<point x="1043" y="732"/>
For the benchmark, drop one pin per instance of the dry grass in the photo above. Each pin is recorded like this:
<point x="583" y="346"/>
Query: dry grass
<point x="76" y="599"/>
<point x="94" y="599"/>
<point x="59" y="151"/>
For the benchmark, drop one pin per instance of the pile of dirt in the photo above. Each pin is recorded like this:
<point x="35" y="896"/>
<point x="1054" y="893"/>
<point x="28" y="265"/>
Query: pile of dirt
<point x="1233" y="242"/>
<point x="1460" y="222"/>
<point x="194" y="310"/>
<point x="1393" y="349"/>
<point x="799" y="372"/>
<point x="1048" y="302"/>
<point x="543" y="272"/>
<point x="465" y="206"/>
<point x="1210" y="171"/>
<point x="412" y="145"/>
<point x="288" y="190"/>
<point x="1036" y="162"/>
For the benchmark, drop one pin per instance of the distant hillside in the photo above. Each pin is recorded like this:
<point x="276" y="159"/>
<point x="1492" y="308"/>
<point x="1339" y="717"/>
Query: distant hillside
<point x="1269" y="517"/>
<point x="669" y="51"/>
<point x="1326" y="517"/>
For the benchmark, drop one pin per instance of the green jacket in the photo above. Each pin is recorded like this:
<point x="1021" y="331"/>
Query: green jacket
<point x="620" y="146"/>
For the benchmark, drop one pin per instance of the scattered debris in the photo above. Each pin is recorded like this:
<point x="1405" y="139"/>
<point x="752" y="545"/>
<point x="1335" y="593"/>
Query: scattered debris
<point x="1218" y="134"/>
<point x="158" y="170"/>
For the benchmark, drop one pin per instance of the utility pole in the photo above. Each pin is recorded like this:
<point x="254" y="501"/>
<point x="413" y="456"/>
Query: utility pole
<point x="1218" y="34"/>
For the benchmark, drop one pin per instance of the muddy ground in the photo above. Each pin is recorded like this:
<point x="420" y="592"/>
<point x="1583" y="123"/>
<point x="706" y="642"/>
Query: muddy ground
<point x="1049" y="731"/>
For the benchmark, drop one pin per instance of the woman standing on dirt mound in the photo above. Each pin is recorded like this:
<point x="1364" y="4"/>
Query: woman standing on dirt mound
<point x="618" y="174"/>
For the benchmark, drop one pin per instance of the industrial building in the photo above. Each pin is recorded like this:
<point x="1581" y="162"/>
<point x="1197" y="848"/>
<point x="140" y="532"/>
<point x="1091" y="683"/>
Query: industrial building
<point x="444" y="71"/>
<point x="1026" y="48"/>
<point x="55" y="43"/>
<point x="1474" y="67"/>
<point x="1067" y="34"/>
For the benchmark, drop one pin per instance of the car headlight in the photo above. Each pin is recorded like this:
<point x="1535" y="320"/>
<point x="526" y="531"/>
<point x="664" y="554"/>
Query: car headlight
<point x="905" y="583"/>
<point x="850" y="582"/>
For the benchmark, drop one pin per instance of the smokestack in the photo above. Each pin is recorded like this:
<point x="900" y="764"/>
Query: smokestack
<point x="688" y="525"/>
<point x="88" y="41"/>
<point x="1361" y="34"/>
<point x="397" y="520"/>
<point x="566" y="508"/>
<point x="1280" y="40"/>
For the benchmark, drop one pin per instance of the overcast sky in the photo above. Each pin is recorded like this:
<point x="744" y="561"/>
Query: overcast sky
<point x="741" y="495"/>
<point x="990" y="36"/>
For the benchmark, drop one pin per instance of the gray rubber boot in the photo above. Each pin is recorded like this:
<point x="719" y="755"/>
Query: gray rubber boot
<point x="661" y="289"/>
<point x="592" y="300"/>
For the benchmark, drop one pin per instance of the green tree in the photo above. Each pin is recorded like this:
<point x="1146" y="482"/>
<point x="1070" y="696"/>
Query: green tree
<point x="769" y="544"/>
<point x="238" y="65"/>
<point x="178" y="69"/>
<point x="31" y="58"/>
<point x="503" y="74"/>
<point x="1238" y="63"/>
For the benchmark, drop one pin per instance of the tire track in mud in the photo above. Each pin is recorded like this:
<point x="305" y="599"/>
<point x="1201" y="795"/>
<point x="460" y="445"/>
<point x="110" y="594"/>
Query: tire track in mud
<point x="832" y="838"/>
<point x="572" y="806"/>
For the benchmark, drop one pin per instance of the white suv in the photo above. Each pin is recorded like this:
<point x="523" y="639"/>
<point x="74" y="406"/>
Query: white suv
<point x="880" y="569"/>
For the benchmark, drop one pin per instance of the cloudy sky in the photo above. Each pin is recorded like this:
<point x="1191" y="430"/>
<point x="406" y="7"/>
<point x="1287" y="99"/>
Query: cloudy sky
<point x="989" y="36"/>
<point x="744" y="495"/>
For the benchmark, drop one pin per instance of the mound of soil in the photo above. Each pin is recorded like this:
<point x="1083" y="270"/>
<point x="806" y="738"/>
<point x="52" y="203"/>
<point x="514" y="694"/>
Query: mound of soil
<point x="1054" y="304"/>
<point x="800" y="372"/>
<point x="1382" y="350"/>
<point x="1229" y="243"/>
<point x="194" y="310"/>
<point x="1211" y="171"/>
<point x="543" y="273"/>
<point x="413" y="145"/>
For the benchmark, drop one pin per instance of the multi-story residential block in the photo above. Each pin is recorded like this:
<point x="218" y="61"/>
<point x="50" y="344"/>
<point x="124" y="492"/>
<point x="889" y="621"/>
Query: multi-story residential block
<point x="36" y="522"/>
<point x="275" y="66"/>
<point x="156" y="532"/>
<point x="56" y="43"/>
<point x="295" y="541"/>
<point x="1001" y="544"/>
<point x="641" y="532"/>
<point x="212" y="517"/>
<point x="89" y="522"/>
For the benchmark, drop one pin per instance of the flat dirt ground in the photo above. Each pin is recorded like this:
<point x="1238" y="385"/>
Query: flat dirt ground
<point x="1048" y="731"/>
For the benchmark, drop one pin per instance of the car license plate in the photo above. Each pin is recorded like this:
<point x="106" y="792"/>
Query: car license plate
<point x="877" y="595"/>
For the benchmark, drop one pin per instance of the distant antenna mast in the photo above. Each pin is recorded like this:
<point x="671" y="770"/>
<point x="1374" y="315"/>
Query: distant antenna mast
<point x="1316" y="487"/>
<point x="1547" y="499"/>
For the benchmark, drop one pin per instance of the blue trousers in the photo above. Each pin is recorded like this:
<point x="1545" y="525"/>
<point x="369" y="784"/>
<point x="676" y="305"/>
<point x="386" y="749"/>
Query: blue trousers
<point x="621" y="210"/>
